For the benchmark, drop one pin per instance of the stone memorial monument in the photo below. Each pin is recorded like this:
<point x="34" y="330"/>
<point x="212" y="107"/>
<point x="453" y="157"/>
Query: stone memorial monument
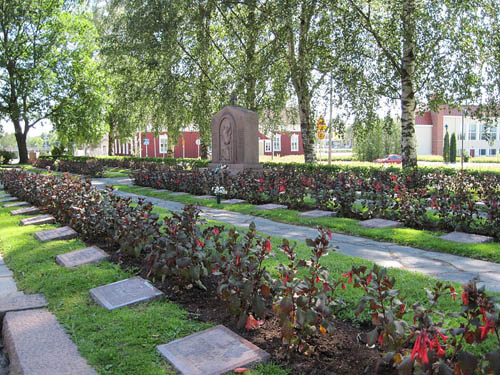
<point x="235" y="139"/>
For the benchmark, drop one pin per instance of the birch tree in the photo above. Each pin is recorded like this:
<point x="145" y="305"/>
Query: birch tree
<point x="426" y="53"/>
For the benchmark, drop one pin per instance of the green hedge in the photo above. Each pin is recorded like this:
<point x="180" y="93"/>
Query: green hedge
<point x="129" y="161"/>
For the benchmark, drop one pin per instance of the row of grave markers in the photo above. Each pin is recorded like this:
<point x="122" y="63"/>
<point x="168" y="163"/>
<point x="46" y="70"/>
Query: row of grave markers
<point x="214" y="351"/>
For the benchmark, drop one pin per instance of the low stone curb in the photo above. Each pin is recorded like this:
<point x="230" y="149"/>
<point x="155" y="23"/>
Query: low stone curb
<point x="38" y="345"/>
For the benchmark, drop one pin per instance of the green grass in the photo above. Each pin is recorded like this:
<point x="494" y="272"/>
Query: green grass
<point x="123" y="341"/>
<point x="114" y="174"/>
<point x="404" y="236"/>
<point x="118" y="342"/>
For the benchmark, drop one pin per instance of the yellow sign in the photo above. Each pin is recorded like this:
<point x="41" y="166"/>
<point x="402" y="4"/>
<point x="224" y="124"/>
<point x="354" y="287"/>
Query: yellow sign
<point x="321" y="135"/>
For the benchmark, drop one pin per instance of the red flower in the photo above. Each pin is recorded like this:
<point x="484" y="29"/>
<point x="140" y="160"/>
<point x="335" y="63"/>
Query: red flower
<point x="261" y="180"/>
<point x="483" y="311"/>
<point x="201" y="244"/>
<point x="465" y="298"/>
<point x="216" y="231"/>
<point x="348" y="274"/>
<point x="329" y="234"/>
<point x="369" y="279"/>
<point x="343" y="286"/>
<point x="282" y="188"/>
<point x="317" y="279"/>
<point x="396" y="188"/>
<point x="489" y="326"/>
<point x="267" y="245"/>
<point x="420" y="348"/>
<point x="394" y="177"/>
<point x="237" y="260"/>
<point x="381" y="339"/>
<point x="453" y="294"/>
<point x="261" y="189"/>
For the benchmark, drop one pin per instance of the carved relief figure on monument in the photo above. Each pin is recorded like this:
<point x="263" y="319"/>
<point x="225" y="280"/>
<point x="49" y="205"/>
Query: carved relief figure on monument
<point x="225" y="140"/>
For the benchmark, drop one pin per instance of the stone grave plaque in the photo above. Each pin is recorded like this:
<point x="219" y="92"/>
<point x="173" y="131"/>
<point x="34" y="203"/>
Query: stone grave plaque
<point x="38" y="220"/>
<point x="204" y="197"/>
<point x="62" y="233"/>
<point x="214" y="351"/>
<point x="462" y="237"/>
<point x="316" y="214"/>
<point x="178" y="193"/>
<point x="18" y="303"/>
<point x="16" y="204"/>
<point x="26" y="211"/>
<point x="4" y="195"/>
<point x="76" y="258"/>
<point x="270" y="206"/>
<point x="233" y="201"/>
<point x="380" y="223"/>
<point x="125" y="292"/>
<point x="9" y="199"/>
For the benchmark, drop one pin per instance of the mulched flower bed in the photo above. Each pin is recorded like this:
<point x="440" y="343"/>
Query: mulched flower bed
<point x="338" y="354"/>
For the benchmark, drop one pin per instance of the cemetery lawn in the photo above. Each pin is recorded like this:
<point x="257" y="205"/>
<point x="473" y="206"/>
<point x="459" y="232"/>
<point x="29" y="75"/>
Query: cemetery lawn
<point x="123" y="341"/>
<point x="118" y="342"/>
<point x="421" y="239"/>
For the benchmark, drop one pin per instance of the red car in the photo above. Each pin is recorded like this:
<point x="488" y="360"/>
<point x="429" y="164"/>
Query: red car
<point x="392" y="158"/>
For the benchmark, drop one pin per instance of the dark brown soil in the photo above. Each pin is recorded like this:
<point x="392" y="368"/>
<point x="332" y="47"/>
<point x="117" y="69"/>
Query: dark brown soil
<point x="337" y="354"/>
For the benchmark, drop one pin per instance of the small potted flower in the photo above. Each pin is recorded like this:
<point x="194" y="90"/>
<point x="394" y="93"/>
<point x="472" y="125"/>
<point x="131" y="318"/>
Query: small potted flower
<point x="219" y="191"/>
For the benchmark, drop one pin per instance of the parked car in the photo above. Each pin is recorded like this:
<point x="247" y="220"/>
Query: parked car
<point x="392" y="158"/>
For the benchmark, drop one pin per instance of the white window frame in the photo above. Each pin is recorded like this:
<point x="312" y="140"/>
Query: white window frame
<point x="277" y="142"/>
<point x="267" y="145"/>
<point x="163" y="146"/>
<point x="294" y="143"/>
<point x="475" y="132"/>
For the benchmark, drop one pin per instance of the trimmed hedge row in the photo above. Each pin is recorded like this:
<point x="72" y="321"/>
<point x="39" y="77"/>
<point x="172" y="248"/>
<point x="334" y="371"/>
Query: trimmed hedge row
<point x="131" y="162"/>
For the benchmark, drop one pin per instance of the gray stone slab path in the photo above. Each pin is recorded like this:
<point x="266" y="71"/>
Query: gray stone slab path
<point x="440" y="265"/>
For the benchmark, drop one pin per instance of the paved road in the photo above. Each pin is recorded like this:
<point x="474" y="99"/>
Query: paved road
<point x="443" y="266"/>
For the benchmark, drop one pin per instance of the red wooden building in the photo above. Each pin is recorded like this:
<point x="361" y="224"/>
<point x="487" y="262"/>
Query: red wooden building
<point x="147" y="145"/>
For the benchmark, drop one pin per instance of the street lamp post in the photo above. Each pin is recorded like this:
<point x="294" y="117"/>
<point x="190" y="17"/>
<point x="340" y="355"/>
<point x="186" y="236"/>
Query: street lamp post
<point x="463" y="136"/>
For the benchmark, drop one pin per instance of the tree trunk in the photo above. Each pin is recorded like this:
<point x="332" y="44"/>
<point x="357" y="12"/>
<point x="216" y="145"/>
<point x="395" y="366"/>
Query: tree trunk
<point x="306" y="127"/>
<point x="408" y="104"/>
<point x="251" y="43"/>
<point x="22" y="147"/>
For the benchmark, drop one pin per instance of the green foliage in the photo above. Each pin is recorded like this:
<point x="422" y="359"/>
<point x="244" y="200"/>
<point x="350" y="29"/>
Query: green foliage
<point x="49" y="73"/>
<point x="453" y="148"/>
<point x="446" y="148"/>
<point x="6" y="156"/>
<point x="376" y="138"/>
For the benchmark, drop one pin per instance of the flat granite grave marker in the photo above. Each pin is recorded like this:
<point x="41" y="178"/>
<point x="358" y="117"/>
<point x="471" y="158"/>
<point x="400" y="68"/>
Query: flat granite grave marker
<point x="19" y="303"/>
<point x="10" y="199"/>
<point x="16" y="204"/>
<point x="26" y="211"/>
<point x="62" y="233"/>
<point x="204" y="197"/>
<point x="38" y="220"/>
<point x="316" y="214"/>
<point x="270" y="206"/>
<point x="462" y="237"/>
<point x="233" y="201"/>
<point x="125" y="292"/>
<point x="380" y="223"/>
<point x="214" y="351"/>
<point x="178" y="193"/>
<point x="80" y="257"/>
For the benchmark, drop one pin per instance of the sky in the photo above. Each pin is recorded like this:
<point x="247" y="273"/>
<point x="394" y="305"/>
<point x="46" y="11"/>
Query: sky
<point x="46" y="127"/>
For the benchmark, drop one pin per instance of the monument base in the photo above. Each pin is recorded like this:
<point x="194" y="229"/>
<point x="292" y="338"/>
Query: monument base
<point x="235" y="168"/>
